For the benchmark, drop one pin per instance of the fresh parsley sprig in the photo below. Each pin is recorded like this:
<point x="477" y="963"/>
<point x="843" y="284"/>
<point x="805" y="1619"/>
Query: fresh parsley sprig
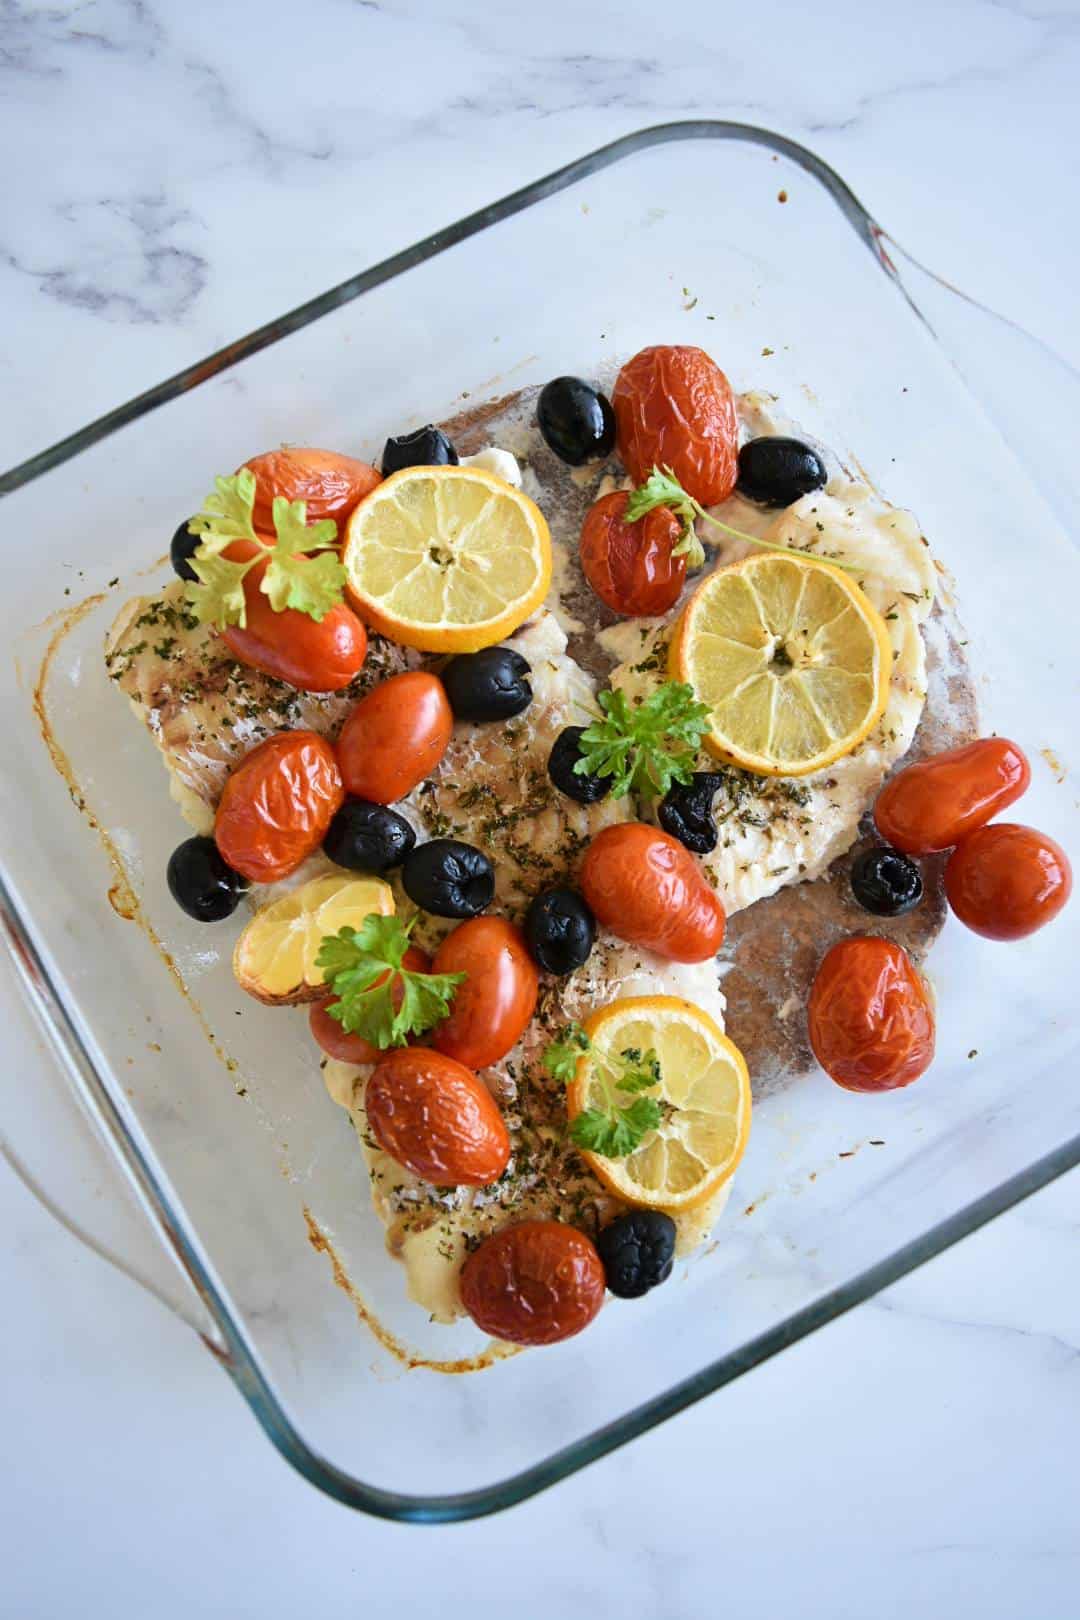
<point x="302" y="571"/>
<point x="616" y="1128"/>
<point x="662" y="488"/>
<point x="645" y="747"/>
<point x="363" y="968"/>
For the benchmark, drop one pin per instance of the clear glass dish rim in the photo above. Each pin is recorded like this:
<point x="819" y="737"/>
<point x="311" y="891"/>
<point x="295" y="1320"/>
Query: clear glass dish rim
<point x="235" y="1350"/>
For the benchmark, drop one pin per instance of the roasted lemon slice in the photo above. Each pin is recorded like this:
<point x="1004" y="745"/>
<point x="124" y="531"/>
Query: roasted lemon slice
<point x="703" y="1093"/>
<point x="792" y="659"/>
<point x="447" y="559"/>
<point x="274" y="959"/>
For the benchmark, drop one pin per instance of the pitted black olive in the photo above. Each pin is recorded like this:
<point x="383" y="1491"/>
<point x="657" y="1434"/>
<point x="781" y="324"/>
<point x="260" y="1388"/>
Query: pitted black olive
<point x="488" y="685"/>
<point x="576" y="420"/>
<point x="638" y="1252"/>
<point x="449" y="878"/>
<point x="368" y="837"/>
<point x="560" y="930"/>
<point x="425" y="447"/>
<point x="686" y="811"/>
<point x="776" y="471"/>
<point x="181" y="550"/>
<point x="200" y="881"/>
<point x="586" y="789"/>
<point x="885" y="882"/>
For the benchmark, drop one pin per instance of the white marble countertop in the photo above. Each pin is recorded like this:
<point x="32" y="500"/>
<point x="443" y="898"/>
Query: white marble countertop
<point x="916" y="1456"/>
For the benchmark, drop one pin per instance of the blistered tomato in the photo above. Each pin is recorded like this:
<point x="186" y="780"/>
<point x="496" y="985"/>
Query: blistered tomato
<point x="648" y="889"/>
<point x="870" y="1019"/>
<point x="1007" y="881"/>
<point x="291" y="646"/>
<point x="534" y="1283"/>
<point x="394" y="737"/>
<point x="277" y="805"/>
<point x="674" y="408"/>
<point x="329" y="1034"/>
<point x="434" y="1116"/>
<point x="331" y="484"/>
<point x="630" y="565"/>
<point x="492" y="1006"/>
<point x="933" y="804"/>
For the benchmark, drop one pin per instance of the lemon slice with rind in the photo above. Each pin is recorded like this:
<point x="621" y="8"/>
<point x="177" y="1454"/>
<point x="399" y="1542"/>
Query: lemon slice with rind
<point x="274" y="959"/>
<point x="703" y="1092"/>
<point x="791" y="658"/>
<point x="447" y="559"/>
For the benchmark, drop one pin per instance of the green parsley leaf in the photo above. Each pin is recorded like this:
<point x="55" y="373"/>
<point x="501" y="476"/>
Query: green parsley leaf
<point x="218" y="598"/>
<point x="617" y="1128"/>
<point x="226" y="514"/>
<point x="647" y="747"/>
<point x="363" y="965"/>
<point x="294" y="578"/>
<point x="561" y="1057"/>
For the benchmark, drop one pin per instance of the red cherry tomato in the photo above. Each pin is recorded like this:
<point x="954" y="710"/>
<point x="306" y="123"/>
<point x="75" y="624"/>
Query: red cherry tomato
<point x="331" y="484"/>
<point x="674" y="408"/>
<point x="630" y="565"/>
<point x="493" y="1005"/>
<point x="647" y="888"/>
<point x="870" y="1018"/>
<point x="1007" y="881"/>
<point x="291" y="646"/>
<point x="436" y="1118"/>
<point x="932" y="805"/>
<point x="277" y="805"/>
<point x="329" y="1034"/>
<point x="534" y="1283"/>
<point x="395" y="737"/>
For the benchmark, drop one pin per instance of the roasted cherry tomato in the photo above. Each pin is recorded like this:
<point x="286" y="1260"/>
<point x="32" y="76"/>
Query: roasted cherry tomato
<point x="643" y="885"/>
<point x="933" y="804"/>
<point x="674" y="408"/>
<point x="277" y="805"/>
<point x="291" y="646"/>
<point x="630" y="565"/>
<point x="534" y="1283"/>
<point x="331" y="484"/>
<point x="1007" y="881"/>
<point x="494" y="1003"/>
<point x="434" y="1116"/>
<point x="332" y="1038"/>
<point x="870" y="1018"/>
<point x="395" y="737"/>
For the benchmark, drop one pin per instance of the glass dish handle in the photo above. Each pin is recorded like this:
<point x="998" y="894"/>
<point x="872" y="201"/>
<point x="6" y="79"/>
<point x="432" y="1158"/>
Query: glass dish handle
<point x="1030" y="393"/>
<point x="59" y="1154"/>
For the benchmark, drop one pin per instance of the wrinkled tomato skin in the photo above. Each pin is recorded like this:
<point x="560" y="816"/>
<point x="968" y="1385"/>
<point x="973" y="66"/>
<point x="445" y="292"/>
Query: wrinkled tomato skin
<point x="395" y="737"/>
<point x="935" y="803"/>
<point x="331" y="484"/>
<point x="1007" y="881"/>
<point x="870" y="1019"/>
<point x="534" y="1283"/>
<point x="629" y="565"/>
<point x="434" y="1116"/>
<point x="291" y="647"/>
<point x="277" y="805"/>
<point x="329" y="1034"/>
<point x="648" y="889"/>
<point x="492" y="1006"/>
<point x="674" y="408"/>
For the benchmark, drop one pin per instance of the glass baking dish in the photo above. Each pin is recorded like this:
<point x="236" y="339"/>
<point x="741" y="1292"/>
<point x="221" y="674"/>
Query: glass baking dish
<point x="712" y="233"/>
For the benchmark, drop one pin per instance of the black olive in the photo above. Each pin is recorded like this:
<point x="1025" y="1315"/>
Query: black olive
<point x="577" y="421"/>
<point x="638" y="1251"/>
<point x="488" y="685"/>
<point x="425" y="447"/>
<point x="777" y="471"/>
<point x="449" y="879"/>
<point x="885" y="882"/>
<point x="686" y="811"/>
<point x="368" y="837"/>
<point x="560" y="930"/>
<point x="564" y="756"/>
<point x="181" y="550"/>
<point x="201" y="883"/>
